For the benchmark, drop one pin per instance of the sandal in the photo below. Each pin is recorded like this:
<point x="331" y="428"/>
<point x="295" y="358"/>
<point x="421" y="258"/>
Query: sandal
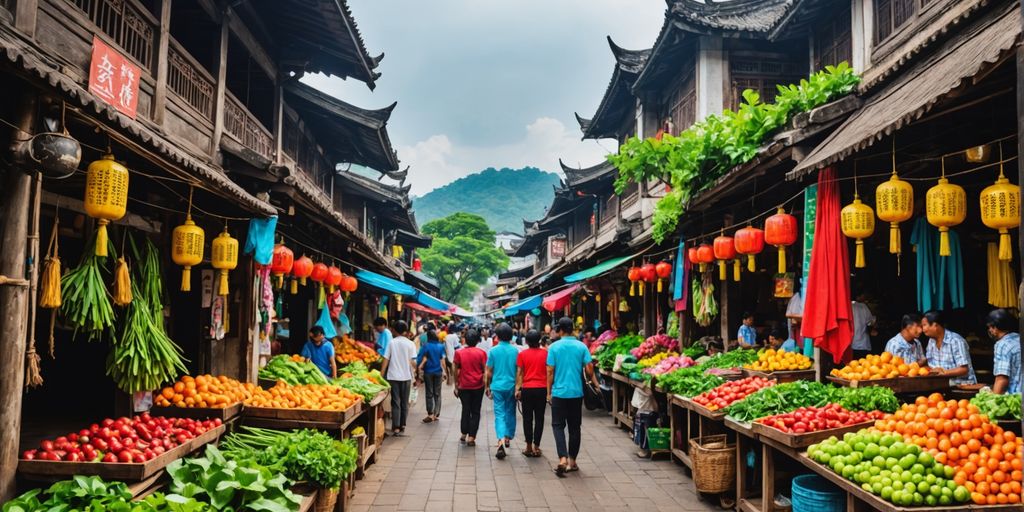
<point x="500" y="454"/>
<point x="537" y="452"/>
<point x="529" y="453"/>
<point x="561" y="470"/>
<point x="572" y="469"/>
<point x="462" y="438"/>
<point x="471" y="442"/>
<point x="428" y="419"/>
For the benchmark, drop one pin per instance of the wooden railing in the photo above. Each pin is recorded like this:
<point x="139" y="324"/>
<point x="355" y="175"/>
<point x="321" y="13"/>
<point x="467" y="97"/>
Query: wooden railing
<point x="187" y="78"/>
<point x="127" y="23"/>
<point x="242" y="126"/>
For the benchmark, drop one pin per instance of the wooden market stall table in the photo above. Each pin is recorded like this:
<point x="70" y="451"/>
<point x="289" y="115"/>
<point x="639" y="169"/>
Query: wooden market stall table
<point x="782" y="376"/>
<point x="334" y="422"/>
<point x="372" y="421"/>
<point x="622" y="393"/>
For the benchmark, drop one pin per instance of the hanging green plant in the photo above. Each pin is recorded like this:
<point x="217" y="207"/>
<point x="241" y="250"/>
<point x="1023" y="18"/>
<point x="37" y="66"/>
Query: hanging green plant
<point x="698" y="156"/>
<point x="86" y="302"/>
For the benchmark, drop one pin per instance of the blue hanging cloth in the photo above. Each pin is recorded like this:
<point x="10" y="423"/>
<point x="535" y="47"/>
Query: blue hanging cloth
<point x="679" y="275"/>
<point x="325" y="322"/>
<point x="937" y="276"/>
<point x="260" y="239"/>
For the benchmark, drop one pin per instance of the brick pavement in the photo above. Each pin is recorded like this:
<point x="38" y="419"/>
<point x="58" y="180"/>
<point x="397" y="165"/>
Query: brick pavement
<point x="428" y="469"/>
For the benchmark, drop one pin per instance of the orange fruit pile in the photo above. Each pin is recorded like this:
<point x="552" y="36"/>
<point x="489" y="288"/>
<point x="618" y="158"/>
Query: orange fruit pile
<point x="884" y="366"/>
<point x="348" y="351"/>
<point x="320" y="397"/>
<point x="204" y="391"/>
<point x="986" y="458"/>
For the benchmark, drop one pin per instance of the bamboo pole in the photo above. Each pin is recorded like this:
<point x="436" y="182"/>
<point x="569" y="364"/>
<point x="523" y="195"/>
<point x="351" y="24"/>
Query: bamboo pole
<point x="14" y="302"/>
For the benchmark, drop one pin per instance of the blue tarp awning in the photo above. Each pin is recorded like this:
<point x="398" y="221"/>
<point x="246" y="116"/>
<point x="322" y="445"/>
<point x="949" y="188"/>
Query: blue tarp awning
<point x="385" y="283"/>
<point x="524" y="305"/>
<point x="598" y="269"/>
<point x="431" y="302"/>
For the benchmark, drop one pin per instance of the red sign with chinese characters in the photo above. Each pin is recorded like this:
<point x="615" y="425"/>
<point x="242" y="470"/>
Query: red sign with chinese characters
<point x="114" y="78"/>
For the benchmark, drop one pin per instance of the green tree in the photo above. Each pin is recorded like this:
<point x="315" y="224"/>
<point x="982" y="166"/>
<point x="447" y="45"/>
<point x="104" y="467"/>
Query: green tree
<point x="462" y="256"/>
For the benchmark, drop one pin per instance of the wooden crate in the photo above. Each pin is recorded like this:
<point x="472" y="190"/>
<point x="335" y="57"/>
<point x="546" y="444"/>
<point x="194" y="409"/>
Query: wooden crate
<point x="782" y="376"/>
<point x="199" y="413"/>
<point x="701" y="410"/>
<point x="312" y="415"/>
<point x="805" y="440"/>
<point x="900" y="385"/>
<point x="128" y="472"/>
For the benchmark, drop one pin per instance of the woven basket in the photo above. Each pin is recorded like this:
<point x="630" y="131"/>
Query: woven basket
<point x="326" y="499"/>
<point x="714" y="464"/>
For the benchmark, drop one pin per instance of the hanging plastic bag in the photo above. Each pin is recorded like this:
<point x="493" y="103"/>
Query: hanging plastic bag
<point x="325" y="322"/>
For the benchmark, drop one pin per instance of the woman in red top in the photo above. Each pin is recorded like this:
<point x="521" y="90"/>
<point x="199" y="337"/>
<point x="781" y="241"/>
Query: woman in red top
<point x="469" y="363"/>
<point x="532" y="390"/>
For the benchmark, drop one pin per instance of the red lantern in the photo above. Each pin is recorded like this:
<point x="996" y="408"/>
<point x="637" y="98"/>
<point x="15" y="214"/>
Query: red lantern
<point x="725" y="250"/>
<point x="334" y="277"/>
<point x="281" y="263"/>
<point x="319" y="273"/>
<point x="749" y="241"/>
<point x="691" y="254"/>
<point x="417" y="265"/>
<point x="705" y="255"/>
<point x="648" y="275"/>
<point x="780" y="231"/>
<point x="664" y="270"/>
<point x="349" y="284"/>
<point x="633" y="275"/>
<point x="302" y="268"/>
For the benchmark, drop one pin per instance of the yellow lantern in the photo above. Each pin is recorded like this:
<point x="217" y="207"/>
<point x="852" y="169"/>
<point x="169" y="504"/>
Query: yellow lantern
<point x="946" y="206"/>
<point x="106" y="196"/>
<point x="858" y="222"/>
<point x="1000" y="209"/>
<point x="224" y="257"/>
<point x="187" y="249"/>
<point x="894" y="200"/>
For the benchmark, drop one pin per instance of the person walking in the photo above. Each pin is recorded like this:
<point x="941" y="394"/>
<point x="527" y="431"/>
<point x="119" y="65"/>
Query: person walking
<point x="500" y="386"/>
<point x="567" y="362"/>
<point x="433" y="366"/>
<point x="399" y="368"/>
<point x="468" y="375"/>
<point x="531" y="391"/>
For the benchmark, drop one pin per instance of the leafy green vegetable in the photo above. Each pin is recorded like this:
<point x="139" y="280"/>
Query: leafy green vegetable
<point x="781" y="398"/>
<point x="231" y="484"/>
<point x="298" y="454"/>
<point x="731" y="359"/>
<point x="694" y="351"/>
<point x="696" y="158"/>
<point x="619" y="346"/>
<point x="283" y="367"/>
<point x="92" y="494"/>
<point x="689" y="382"/>
<point x="870" y="398"/>
<point x="359" y="369"/>
<point x="998" y="407"/>
<point x="86" y="303"/>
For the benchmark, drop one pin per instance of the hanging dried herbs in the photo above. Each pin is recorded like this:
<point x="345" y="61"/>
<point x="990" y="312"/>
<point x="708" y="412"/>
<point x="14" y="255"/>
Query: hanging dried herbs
<point x="86" y="302"/>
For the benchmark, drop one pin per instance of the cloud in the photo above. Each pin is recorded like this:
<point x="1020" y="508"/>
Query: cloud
<point x="436" y="161"/>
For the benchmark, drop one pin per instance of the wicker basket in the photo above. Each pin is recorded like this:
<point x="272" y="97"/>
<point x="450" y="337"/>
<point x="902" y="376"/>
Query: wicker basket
<point x="714" y="464"/>
<point x="326" y="499"/>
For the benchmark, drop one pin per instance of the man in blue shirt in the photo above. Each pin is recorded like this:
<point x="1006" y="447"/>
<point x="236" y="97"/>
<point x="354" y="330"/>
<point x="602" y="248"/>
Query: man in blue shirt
<point x="947" y="352"/>
<point x="779" y="340"/>
<point x="384" y="336"/>
<point x="320" y="352"/>
<point x="1006" y="361"/>
<point x="500" y="386"/>
<point x="905" y="343"/>
<point x="747" y="336"/>
<point x="568" y="360"/>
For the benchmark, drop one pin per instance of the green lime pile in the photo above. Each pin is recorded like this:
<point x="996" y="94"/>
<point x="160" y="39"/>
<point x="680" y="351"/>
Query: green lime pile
<point x="885" y="466"/>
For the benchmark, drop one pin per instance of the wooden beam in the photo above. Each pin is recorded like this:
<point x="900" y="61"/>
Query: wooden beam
<point x="278" y="119"/>
<point x="210" y="6"/>
<point x="25" y="17"/>
<point x="163" y="41"/>
<point x="218" y="111"/>
<point x="255" y="49"/>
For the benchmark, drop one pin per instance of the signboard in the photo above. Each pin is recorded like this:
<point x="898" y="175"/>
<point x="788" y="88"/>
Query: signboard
<point x="556" y="248"/>
<point x="114" y="78"/>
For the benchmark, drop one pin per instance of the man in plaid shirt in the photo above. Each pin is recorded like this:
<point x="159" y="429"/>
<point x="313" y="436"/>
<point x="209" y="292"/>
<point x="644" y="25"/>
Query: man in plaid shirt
<point x="1006" y="362"/>
<point x="947" y="352"/>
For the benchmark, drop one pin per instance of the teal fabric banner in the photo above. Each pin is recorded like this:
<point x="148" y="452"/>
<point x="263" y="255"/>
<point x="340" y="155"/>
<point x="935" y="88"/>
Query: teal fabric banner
<point x="810" y="215"/>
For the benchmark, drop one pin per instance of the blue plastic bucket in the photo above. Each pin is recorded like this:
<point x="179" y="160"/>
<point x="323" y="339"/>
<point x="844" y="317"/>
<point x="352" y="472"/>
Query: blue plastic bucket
<point x="812" y="493"/>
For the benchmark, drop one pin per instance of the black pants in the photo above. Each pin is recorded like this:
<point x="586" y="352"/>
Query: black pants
<point x="535" y="401"/>
<point x="567" y="412"/>
<point x="471" y="401"/>
<point x="432" y="383"/>
<point x="399" y="402"/>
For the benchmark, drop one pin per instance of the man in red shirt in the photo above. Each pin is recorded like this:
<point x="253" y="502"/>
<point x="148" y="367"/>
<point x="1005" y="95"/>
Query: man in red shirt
<point x="469" y="366"/>
<point x="531" y="390"/>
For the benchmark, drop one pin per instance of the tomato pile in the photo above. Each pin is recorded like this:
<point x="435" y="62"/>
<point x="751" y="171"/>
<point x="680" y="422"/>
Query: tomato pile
<point x="724" y="395"/>
<point x="813" y="419"/>
<point x="136" y="439"/>
<point x="987" y="460"/>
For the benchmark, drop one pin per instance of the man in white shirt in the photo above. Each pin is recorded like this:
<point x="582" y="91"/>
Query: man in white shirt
<point x="399" y="369"/>
<point x="863" y="319"/>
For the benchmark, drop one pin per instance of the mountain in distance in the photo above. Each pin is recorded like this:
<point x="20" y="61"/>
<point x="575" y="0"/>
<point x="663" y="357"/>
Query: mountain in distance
<point x="503" y="197"/>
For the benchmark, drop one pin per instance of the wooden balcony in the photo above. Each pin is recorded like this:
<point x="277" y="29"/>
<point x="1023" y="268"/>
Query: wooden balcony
<point x="242" y="126"/>
<point x="187" y="78"/>
<point x="129" y="24"/>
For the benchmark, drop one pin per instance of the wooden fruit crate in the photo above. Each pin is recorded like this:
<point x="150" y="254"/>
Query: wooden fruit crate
<point x="782" y="376"/>
<point x="899" y="385"/>
<point x="199" y="413"/>
<point x="805" y="440"/>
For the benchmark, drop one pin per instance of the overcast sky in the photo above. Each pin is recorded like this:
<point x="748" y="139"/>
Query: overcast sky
<point x="492" y="83"/>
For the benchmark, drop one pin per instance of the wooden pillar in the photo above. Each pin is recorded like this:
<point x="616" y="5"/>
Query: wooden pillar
<point x="222" y="73"/>
<point x="279" y="124"/>
<point x="25" y="17"/>
<point x="723" y="306"/>
<point x="163" y="41"/>
<point x="14" y="303"/>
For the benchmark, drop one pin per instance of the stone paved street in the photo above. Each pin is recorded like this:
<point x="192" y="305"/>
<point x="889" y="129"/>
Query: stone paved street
<point x="429" y="469"/>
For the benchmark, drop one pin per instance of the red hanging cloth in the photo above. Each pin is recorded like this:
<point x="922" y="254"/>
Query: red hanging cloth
<point x="828" y="312"/>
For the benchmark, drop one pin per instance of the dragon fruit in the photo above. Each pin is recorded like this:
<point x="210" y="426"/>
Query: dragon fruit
<point x="669" y="364"/>
<point x="655" y="344"/>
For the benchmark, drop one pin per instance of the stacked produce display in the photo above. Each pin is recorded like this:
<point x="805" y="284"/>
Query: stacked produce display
<point x="605" y="356"/>
<point x="813" y="419"/>
<point x="319" y="397"/>
<point x="362" y="381"/>
<point x="771" y="360"/>
<point x="205" y="391"/>
<point x="726" y="394"/>
<point x="292" y="370"/>
<point x="884" y="366"/>
<point x="348" y="350"/>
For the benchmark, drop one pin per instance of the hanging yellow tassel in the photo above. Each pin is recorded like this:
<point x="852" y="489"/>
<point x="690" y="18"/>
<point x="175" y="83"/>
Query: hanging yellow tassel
<point x="295" y="286"/>
<point x="894" y="238"/>
<point x="1005" y="246"/>
<point x="632" y="289"/>
<point x="722" y="274"/>
<point x="659" y="285"/>
<point x="782" y="259"/>
<point x="641" y="289"/>
<point x="122" y="283"/>
<point x="737" y="268"/>
<point x="859" y="261"/>
<point x="751" y="263"/>
<point x="49" y="285"/>
<point x="944" y="241"/>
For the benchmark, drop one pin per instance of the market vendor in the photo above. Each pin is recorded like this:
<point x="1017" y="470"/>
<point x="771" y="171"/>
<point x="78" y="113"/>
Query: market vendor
<point x="320" y="353"/>
<point x="747" y="336"/>
<point x="947" y="352"/>
<point x="1006" y="362"/>
<point x="779" y="340"/>
<point x="905" y="344"/>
